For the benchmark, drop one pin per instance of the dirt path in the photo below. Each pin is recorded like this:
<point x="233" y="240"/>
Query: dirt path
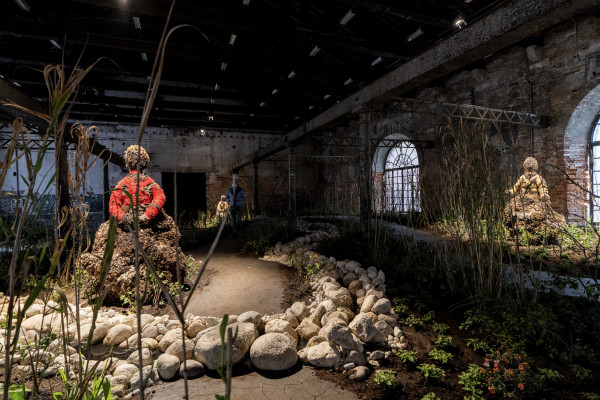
<point x="237" y="283"/>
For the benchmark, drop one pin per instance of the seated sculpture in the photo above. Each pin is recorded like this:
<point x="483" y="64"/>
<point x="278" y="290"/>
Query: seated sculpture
<point x="529" y="205"/>
<point x="158" y="236"/>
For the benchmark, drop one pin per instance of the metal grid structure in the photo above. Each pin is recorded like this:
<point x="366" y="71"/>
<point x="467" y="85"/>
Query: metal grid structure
<point x="595" y="172"/>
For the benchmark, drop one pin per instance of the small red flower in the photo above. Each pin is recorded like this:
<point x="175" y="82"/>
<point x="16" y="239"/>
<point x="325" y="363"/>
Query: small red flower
<point x="521" y="386"/>
<point x="492" y="390"/>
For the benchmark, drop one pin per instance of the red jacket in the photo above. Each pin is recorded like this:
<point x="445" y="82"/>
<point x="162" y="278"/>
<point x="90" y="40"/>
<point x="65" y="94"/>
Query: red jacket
<point x="149" y="193"/>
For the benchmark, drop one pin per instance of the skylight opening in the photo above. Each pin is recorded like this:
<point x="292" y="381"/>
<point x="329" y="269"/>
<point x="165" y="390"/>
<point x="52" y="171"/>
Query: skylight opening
<point x="348" y="81"/>
<point x="376" y="61"/>
<point x="291" y="75"/>
<point x="314" y="51"/>
<point x="137" y="23"/>
<point x="347" y="17"/>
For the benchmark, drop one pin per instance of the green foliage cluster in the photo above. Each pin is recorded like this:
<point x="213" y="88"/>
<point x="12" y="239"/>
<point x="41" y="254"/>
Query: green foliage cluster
<point x="386" y="378"/>
<point x="430" y="371"/>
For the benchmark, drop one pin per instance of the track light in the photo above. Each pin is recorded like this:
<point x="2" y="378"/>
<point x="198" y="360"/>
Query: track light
<point x="459" y="22"/>
<point x="314" y="51"/>
<point x="347" y="17"/>
<point x="414" y="35"/>
<point x="376" y="61"/>
<point x="23" y="4"/>
<point x="55" y="44"/>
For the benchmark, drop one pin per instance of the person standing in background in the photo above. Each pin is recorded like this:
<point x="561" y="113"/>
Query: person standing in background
<point x="236" y="196"/>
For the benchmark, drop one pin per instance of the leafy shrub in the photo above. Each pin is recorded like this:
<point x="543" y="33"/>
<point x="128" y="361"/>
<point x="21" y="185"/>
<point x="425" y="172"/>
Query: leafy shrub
<point x="412" y="320"/>
<point x="472" y="381"/>
<point x="430" y="371"/>
<point x="582" y="373"/>
<point x="444" y="341"/>
<point x="386" y="378"/>
<point x="549" y="375"/>
<point x="440" y="328"/>
<point x="407" y="356"/>
<point x="478" y="345"/>
<point x="440" y="356"/>
<point x="430" y="396"/>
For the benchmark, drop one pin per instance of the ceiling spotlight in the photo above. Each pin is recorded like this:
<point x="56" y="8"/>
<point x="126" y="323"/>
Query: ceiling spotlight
<point x="347" y="17"/>
<point x="144" y="56"/>
<point x="136" y="23"/>
<point x="347" y="81"/>
<point x="202" y="132"/>
<point x="314" y="51"/>
<point x="459" y="22"/>
<point x="223" y="66"/>
<point x="211" y="117"/>
<point x="376" y="61"/>
<point x="275" y="91"/>
<point x="414" y="35"/>
<point x="291" y="75"/>
<point x="245" y="2"/>
<point x="55" y="44"/>
<point x="232" y="39"/>
<point x="262" y="104"/>
<point x="23" y="4"/>
<point x="217" y="86"/>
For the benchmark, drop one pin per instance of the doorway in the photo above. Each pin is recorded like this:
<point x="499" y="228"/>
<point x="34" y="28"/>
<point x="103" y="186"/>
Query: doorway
<point x="191" y="195"/>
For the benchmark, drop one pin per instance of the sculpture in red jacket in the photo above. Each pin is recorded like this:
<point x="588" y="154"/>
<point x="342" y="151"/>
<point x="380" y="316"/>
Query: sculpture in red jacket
<point x="142" y="189"/>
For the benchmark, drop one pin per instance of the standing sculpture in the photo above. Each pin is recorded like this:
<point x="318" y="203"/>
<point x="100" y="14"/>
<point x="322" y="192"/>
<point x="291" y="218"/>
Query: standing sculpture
<point x="529" y="205"/>
<point x="158" y="235"/>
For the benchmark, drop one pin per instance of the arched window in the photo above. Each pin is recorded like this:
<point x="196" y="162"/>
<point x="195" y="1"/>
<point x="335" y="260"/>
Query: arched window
<point x="401" y="178"/>
<point x="595" y="167"/>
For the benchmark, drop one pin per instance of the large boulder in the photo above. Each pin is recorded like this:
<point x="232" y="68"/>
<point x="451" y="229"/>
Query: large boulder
<point x="363" y="327"/>
<point x="307" y="329"/>
<point x="208" y="347"/>
<point x="338" y="334"/>
<point x="273" y="352"/>
<point x="167" y="365"/>
<point x="176" y="349"/>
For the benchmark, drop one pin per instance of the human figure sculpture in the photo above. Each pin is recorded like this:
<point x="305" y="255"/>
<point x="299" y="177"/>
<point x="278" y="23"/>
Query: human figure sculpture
<point x="149" y="197"/>
<point x="157" y="234"/>
<point x="222" y="207"/>
<point x="529" y="206"/>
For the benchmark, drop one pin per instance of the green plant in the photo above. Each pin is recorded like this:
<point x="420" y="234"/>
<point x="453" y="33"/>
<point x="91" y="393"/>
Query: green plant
<point x="589" y="396"/>
<point x="478" y="345"/>
<point x="581" y="373"/>
<point x="444" y="341"/>
<point x="440" y="356"/>
<point x="472" y="381"/>
<point x="549" y="375"/>
<point x="429" y="317"/>
<point x="412" y="320"/>
<point x="430" y="396"/>
<point x="430" y="371"/>
<point x="16" y="392"/>
<point x="440" y="327"/>
<point x="386" y="378"/>
<point x="99" y="390"/>
<point x="406" y="356"/>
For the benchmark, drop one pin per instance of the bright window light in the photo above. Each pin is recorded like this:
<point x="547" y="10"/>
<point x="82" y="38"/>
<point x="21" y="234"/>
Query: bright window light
<point x="291" y="75"/>
<point x="245" y="2"/>
<point x="262" y="104"/>
<point x="326" y="96"/>
<point x="217" y="86"/>
<point x="347" y="17"/>
<point x="136" y="23"/>
<point x="23" y="4"/>
<point x="311" y="107"/>
<point x="314" y="51"/>
<point x="275" y="91"/>
<point x="347" y="81"/>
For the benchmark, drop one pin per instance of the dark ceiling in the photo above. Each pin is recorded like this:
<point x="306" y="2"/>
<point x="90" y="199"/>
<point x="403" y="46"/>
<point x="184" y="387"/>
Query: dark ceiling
<point x="271" y="78"/>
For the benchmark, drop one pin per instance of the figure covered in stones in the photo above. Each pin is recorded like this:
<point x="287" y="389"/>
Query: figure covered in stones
<point x="222" y="207"/>
<point x="158" y="234"/>
<point x="529" y="204"/>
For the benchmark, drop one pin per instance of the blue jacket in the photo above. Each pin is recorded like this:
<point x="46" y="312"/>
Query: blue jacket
<point x="238" y="199"/>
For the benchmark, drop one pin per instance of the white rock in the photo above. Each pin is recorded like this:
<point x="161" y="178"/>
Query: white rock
<point x="250" y="316"/>
<point x="169" y="338"/>
<point x="126" y="370"/>
<point x="273" y="352"/>
<point x="117" y="334"/>
<point x="149" y="376"/>
<point x="135" y="357"/>
<point x="194" y="328"/>
<point x="368" y="303"/>
<point x="167" y="365"/>
<point x="300" y="310"/>
<point x="208" y="347"/>
<point x="382" y="306"/>
<point x="322" y="355"/>
<point x="281" y="326"/>
<point x="176" y="349"/>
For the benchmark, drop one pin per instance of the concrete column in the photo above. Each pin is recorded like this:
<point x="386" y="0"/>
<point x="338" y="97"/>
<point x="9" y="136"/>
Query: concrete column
<point x="255" y="188"/>
<point x="364" y="175"/>
<point x="292" y="185"/>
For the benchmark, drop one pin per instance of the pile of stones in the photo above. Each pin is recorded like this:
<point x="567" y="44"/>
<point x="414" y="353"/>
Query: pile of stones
<point x="348" y="325"/>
